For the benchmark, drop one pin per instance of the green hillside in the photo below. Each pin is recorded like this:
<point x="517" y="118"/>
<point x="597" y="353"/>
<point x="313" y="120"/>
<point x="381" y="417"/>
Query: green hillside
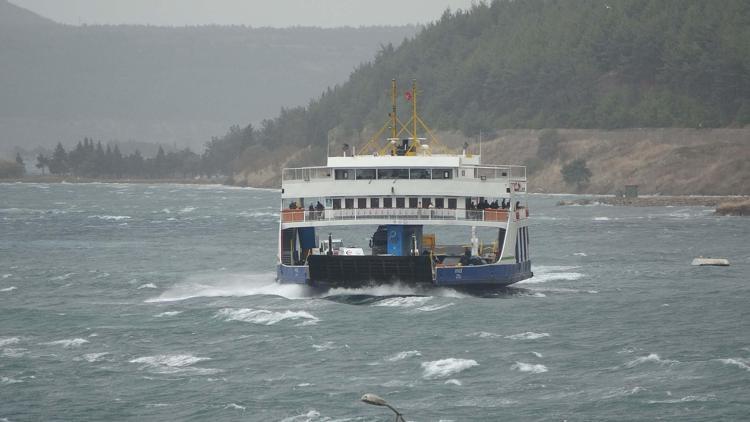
<point x="536" y="64"/>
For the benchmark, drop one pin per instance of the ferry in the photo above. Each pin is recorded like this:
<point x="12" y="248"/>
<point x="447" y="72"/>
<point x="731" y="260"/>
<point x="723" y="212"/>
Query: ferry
<point x="403" y="190"/>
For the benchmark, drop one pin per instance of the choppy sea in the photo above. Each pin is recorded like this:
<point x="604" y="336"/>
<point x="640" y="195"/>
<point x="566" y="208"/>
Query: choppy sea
<point x="158" y="302"/>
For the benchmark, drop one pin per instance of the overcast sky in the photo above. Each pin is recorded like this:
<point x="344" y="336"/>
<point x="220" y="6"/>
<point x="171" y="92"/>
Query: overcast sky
<point x="276" y="13"/>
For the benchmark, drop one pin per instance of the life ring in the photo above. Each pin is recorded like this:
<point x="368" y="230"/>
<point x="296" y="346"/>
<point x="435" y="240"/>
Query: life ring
<point x="348" y="252"/>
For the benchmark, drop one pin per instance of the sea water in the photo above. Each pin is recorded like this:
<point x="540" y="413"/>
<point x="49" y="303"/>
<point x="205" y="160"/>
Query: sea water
<point x="158" y="302"/>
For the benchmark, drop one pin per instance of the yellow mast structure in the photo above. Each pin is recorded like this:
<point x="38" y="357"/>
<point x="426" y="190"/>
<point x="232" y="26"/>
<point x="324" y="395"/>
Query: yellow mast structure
<point x="397" y="127"/>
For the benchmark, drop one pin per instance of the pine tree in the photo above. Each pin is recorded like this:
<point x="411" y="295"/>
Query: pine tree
<point x="41" y="162"/>
<point x="59" y="162"/>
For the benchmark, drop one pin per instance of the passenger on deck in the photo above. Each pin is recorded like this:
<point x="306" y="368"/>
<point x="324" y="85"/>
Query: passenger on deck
<point x="319" y="206"/>
<point x="466" y="257"/>
<point x="494" y="205"/>
<point x="503" y="204"/>
<point x="311" y="208"/>
<point x="518" y="205"/>
<point x="293" y="206"/>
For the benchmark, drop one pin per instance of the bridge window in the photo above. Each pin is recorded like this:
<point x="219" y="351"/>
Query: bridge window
<point x="365" y="174"/>
<point x="452" y="203"/>
<point x="387" y="202"/>
<point x="442" y="173"/>
<point x="374" y="202"/>
<point x="426" y="202"/>
<point x="361" y="202"/>
<point x="393" y="173"/>
<point x="413" y="202"/>
<point x="400" y="203"/>
<point x="420" y="173"/>
<point x="337" y="204"/>
<point x="439" y="202"/>
<point x="341" y="174"/>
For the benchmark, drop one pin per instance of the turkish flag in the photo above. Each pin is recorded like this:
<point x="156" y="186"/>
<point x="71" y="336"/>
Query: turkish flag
<point x="407" y="95"/>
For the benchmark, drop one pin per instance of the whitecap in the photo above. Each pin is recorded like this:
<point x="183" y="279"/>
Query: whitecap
<point x="67" y="343"/>
<point x="94" y="357"/>
<point x="62" y="277"/>
<point x="325" y="346"/>
<point x="651" y="358"/>
<point x="707" y="397"/>
<point x="307" y="417"/>
<point x="453" y="381"/>
<point x="234" y="406"/>
<point x="167" y="314"/>
<point x="580" y="254"/>
<point x="537" y="354"/>
<point x="740" y="363"/>
<point x="147" y="286"/>
<point x="7" y="275"/>
<point x="484" y="334"/>
<point x="623" y="392"/>
<point x="8" y="289"/>
<point x="436" y="307"/>
<point x="7" y="341"/>
<point x="169" y="364"/>
<point x="8" y="381"/>
<point x="264" y="317"/>
<point x="446" y="367"/>
<point x="403" y="355"/>
<point x="305" y="384"/>
<point x="534" y="368"/>
<point x="602" y="218"/>
<point x="403" y="302"/>
<point x="187" y="210"/>
<point x="11" y="352"/>
<point x="528" y="335"/>
<point x="111" y="217"/>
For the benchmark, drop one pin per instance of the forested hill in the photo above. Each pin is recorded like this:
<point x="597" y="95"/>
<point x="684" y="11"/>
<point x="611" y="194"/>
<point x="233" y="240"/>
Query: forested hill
<point x="536" y="64"/>
<point x="161" y="84"/>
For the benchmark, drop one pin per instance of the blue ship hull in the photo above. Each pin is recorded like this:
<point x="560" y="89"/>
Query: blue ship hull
<point x="466" y="277"/>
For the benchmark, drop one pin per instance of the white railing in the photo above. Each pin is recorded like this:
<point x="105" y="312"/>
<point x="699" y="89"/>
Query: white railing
<point x="495" y="215"/>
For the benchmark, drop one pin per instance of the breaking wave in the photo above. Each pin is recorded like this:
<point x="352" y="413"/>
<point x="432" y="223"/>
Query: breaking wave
<point x="740" y="363"/>
<point x="534" y="368"/>
<point x="111" y="217"/>
<point x="265" y="317"/>
<point x="484" y="334"/>
<point x="8" y="289"/>
<point x="67" y="343"/>
<point x="651" y="358"/>
<point x="430" y="308"/>
<point x="403" y="355"/>
<point x="686" y="399"/>
<point x="529" y="335"/>
<point x="231" y="285"/>
<point x="167" y="314"/>
<point x="403" y="302"/>
<point x="7" y="341"/>
<point x="446" y="367"/>
<point x="170" y="364"/>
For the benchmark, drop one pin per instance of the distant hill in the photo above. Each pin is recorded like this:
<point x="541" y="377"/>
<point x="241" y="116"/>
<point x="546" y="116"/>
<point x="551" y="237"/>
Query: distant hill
<point x="534" y="64"/>
<point x="168" y="85"/>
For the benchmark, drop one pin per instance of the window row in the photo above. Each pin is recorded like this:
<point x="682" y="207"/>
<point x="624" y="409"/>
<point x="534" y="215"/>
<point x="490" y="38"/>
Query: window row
<point x="370" y="174"/>
<point x="391" y="202"/>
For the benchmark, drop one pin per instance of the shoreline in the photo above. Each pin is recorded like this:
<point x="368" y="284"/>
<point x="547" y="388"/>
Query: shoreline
<point x="661" y="201"/>
<point x="62" y="179"/>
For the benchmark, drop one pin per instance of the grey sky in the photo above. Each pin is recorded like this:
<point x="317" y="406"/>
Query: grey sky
<point x="276" y="13"/>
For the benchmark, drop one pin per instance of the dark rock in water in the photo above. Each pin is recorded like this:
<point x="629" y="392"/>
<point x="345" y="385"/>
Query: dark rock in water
<point x="734" y="208"/>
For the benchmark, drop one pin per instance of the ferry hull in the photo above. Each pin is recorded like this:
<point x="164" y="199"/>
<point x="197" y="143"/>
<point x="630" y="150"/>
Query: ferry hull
<point x="479" y="277"/>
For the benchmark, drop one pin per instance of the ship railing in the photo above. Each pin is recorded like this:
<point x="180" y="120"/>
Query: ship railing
<point x="495" y="215"/>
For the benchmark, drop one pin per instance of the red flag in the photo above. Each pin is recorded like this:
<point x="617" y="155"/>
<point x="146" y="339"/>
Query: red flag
<point x="407" y="95"/>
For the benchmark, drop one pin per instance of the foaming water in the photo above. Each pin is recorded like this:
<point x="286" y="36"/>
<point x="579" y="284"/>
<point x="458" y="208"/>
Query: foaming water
<point x="222" y="284"/>
<point x="265" y="317"/>
<point x="529" y="335"/>
<point x="446" y="367"/>
<point x="534" y="368"/>
<point x="403" y="355"/>
<point x="651" y="358"/>
<point x="67" y="343"/>
<point x="173" y="364"/>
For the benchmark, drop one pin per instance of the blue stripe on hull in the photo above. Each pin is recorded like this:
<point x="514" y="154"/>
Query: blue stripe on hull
<point x="491" y="275"/>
